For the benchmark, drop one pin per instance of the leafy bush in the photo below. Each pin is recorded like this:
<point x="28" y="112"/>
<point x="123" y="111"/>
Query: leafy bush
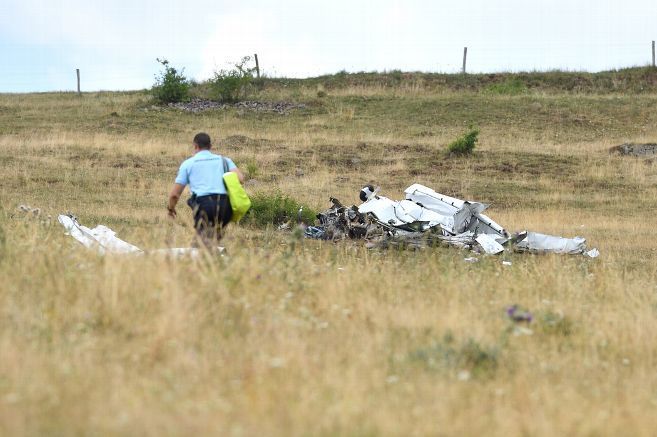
<point x="232" y="85"/>
<point x="465" y="144"/>
<point x="276" y="209"/>
<point x="170" y="85"/>
<point x="396" y="76"/>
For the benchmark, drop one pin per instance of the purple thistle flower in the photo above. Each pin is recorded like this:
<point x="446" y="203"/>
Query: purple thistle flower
<point x="517" y="315"/>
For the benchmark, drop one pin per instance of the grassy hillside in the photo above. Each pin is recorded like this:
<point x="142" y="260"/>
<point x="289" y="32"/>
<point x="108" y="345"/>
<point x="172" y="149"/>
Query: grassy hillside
<point x="287" y="336"/>
<point x="642" y="80"/>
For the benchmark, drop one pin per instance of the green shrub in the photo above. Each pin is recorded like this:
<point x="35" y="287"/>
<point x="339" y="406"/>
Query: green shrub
<point x="276" y="209"/>
<point x="511" y="86"/>
<point x="465" y="144"/>
<point x="232" y="85"/>
<point x="396" y="76"/>
<point x="170" y="85"/>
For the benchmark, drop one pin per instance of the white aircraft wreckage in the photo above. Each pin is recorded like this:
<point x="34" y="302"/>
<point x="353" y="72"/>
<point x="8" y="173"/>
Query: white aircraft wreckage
<point x="426" y="217"/>
<point x="104" y="240"/>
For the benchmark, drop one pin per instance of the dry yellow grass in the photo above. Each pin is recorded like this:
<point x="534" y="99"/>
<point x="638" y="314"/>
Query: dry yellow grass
<point x="294" y="337"/>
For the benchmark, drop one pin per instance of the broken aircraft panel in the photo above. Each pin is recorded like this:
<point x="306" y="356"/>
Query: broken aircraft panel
<point x="466" y="215"/>
<point x="403" y="214"/>
<point x="535" y="242"/>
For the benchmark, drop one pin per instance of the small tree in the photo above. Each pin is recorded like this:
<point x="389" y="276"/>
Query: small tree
<point x="170" y="85"/>
<point x="232" y="85"/>
<point x="465" y="144"/>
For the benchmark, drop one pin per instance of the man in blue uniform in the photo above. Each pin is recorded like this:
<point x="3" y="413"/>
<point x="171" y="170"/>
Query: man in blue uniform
<point x="204" y="173"/>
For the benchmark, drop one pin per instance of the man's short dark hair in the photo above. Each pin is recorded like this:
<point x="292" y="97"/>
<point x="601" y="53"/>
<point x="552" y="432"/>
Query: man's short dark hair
<point x="202" y="140"/>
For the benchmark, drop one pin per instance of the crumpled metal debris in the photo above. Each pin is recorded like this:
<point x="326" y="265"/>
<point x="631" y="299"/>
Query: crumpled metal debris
<point x="340" y="222"/>
<point x="426" y="217"/>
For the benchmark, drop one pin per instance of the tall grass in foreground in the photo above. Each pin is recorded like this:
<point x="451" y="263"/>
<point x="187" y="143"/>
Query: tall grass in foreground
<point x="286" y="336"/>
<point x="292" y="337"/>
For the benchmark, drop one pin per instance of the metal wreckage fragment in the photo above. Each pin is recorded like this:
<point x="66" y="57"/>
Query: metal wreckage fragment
<point x="427" y="218"/>
<point x="104" y="241"/>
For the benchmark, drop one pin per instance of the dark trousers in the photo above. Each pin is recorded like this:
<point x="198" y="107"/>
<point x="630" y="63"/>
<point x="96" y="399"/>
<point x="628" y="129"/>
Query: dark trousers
<point x="212" y="214"/>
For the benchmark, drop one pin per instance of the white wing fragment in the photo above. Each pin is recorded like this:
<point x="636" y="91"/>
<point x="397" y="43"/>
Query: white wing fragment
<point x="104" y="241"/>
<point x="101" y="238"/>
<point x="536" y="242"/>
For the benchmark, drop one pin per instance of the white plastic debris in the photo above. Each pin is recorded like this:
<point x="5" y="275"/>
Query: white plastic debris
<point x="507" y="263"/>
<point x="471" y="259"/>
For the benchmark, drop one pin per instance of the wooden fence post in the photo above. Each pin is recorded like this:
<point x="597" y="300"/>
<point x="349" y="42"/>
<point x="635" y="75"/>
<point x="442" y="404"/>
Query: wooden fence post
<point x="465" y="55"/>
<point x="653" y="54"/>
<point x="257" y="65"/>
<point x="77" y="72"/>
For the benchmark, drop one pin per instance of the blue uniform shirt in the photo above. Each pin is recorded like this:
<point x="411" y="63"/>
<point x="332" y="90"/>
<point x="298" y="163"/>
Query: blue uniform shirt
<point x="204" y="173"/>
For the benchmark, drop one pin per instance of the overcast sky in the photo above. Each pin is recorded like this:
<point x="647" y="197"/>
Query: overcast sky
<point x="114" y="43"/>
